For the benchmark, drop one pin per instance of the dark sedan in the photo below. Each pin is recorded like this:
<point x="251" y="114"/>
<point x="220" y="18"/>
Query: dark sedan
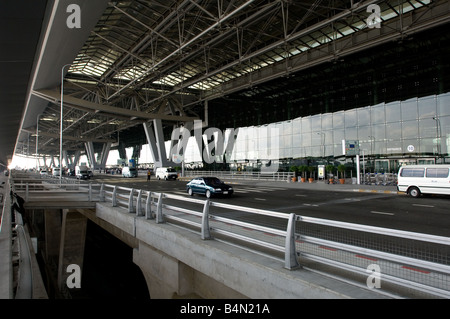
<point x="208" y="186"/>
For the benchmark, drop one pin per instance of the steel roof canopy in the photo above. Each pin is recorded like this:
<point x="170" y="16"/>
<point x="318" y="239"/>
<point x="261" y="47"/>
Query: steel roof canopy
<point x="170" y="57"/>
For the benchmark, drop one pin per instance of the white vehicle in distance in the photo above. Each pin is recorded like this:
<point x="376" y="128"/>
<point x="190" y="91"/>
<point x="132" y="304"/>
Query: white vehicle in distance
<point x="424" y="179"/>
<point x="166" y="173"/>
<point x="81" y="172"/>
<point x="56" y="171"/>
<point x="129" y="172"/>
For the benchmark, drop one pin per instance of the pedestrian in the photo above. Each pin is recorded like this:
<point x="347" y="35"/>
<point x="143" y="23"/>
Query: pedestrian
<point x="148" y="175"/>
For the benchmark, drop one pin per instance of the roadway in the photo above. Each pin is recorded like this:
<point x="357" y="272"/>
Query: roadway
<point x="383" y="208"/>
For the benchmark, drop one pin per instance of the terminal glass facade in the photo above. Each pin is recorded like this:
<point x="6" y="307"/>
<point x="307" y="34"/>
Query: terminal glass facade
<point x="415" y="131"/>
<point x="389" y="134"/>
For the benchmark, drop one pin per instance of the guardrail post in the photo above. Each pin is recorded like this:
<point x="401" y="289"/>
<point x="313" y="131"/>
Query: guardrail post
<point x="148" y="206"/>
<point x="130" y="201"/>
<point x="206" y="233"/>
<point x="290" y="254"/>
<point x="90" y="192"/>
<point x="102" y="192"/>
<point x="26" y="192"/>
<point x="138" y="203"/>
<point x="114" y="198"/>
<point x="159" y="214"/>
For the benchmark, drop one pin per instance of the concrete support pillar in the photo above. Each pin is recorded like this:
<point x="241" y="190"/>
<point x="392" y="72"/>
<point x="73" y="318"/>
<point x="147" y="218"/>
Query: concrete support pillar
<point x="76" y="158"/>
<point x="104" y="154"/>
<point x="73" y="237"/>
<point x="52" y="220"/>
<point x="166" y="277"/>
<point x="90" y="154"/>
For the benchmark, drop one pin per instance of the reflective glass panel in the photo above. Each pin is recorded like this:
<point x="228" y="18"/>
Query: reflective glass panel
<point x="428" y="128"/>
<point x="350" y="118"/>
<point x="410" y="129"/>
<point x="443" y="104"/>
<point x="409" y="109"/>
<point x="363" y="116"/>
<point x="306" y="124"/>
<point x="427" y="107"/>
<point x="338" y="120"/>
<point x="351" y="133"/>
<point x="393" y="112"/>
<point x="379" y="132"/>
<point x="377" y="114"/>
<point x="316" y="123"/>
<point x="327" y="121"/>
<point x="394" y="131"/>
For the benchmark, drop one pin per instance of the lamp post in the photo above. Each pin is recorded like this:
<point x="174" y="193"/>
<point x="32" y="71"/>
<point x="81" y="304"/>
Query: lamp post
<point x="37" y="142"/>
<point x="61" y="123"/>
<point x="438" y="135"/>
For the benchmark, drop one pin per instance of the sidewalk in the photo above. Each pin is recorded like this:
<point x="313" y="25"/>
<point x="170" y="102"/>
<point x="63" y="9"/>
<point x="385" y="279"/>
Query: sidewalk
<point x="316" y="185"/>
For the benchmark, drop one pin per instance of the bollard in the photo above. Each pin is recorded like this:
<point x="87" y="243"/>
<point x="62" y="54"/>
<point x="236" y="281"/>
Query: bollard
<point x="148" y="206"/>
<point x="206" y="232"/>
<point x="159" y="214"/>
<point x="114" y="199"/>
<point x="290" y="254"/>
<point x="130" y="201"/>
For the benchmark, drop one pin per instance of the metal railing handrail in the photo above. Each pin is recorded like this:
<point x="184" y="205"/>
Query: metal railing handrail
<point x="276" y="176"/>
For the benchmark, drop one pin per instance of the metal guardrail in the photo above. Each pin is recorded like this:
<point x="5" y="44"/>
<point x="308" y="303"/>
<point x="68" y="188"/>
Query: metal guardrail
<point x="298" y="240"/>
<point x="276" y="176"/>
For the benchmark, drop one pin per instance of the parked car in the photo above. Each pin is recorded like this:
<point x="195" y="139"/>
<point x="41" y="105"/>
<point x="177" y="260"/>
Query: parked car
<point x="208" y="186"/>
<point x="43" y="172"/>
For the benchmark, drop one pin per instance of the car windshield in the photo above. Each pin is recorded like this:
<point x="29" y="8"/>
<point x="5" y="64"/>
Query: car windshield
<point x="213" y="181"/>
<point x="171" y="170"/>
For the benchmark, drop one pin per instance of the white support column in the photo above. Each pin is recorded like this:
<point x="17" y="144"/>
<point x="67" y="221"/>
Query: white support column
<point x="90" y="153"/>
<point x="151" y="141"/>
<point x="104" y="154"/>
<point x="155" y="140"/>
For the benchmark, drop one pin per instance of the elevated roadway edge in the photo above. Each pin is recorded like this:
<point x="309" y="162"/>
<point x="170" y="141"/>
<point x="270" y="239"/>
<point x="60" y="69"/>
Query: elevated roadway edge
<point x="250" y="274"/>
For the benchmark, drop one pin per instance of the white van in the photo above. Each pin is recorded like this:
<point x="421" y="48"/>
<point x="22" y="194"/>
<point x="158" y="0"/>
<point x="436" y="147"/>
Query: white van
<point x="56" y="171"/>
<point x="166" y="173"/>
<point x="129" y="172"/>
<point x="424" y="179"/>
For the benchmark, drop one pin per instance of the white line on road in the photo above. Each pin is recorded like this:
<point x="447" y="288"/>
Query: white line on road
<point x="381" y="213"/>
<point x="260" y="198"/>
<point x="421" y="205"/>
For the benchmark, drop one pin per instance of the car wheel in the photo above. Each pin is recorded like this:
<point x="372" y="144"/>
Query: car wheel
<point x="414" y="192"/>
<point x="208" y="194"/>
<point x="190" y="192"/>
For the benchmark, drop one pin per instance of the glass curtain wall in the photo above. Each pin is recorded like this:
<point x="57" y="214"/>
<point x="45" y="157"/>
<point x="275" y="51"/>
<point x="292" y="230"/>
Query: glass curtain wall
<point x="415" y="129"/>
<point x="412" y="131"/>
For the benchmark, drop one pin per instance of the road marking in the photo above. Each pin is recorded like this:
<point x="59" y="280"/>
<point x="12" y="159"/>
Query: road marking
<point x="298" y="195"/>
<point x="421" y="205"/>
<point x="381" y="213"/>
<point x="260" y="198"/>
